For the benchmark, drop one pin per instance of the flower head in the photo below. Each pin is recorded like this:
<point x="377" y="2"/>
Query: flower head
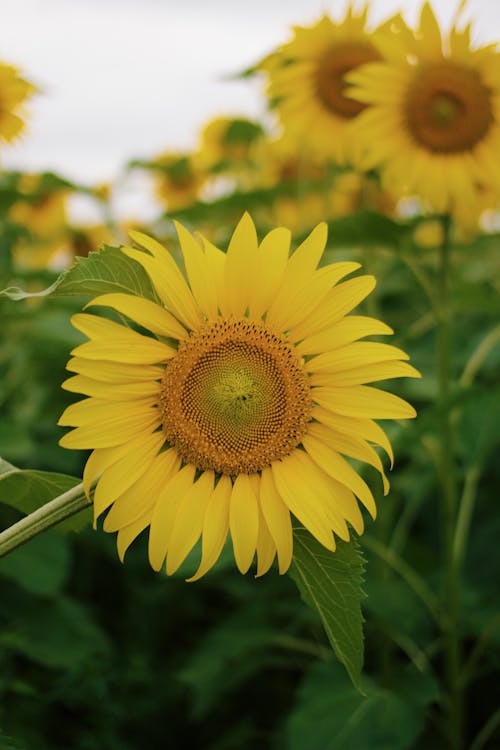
<point x="235" y="412"/>
<point x="433" y="121"/>
<point x="14" y="91"/>
<point x="306" y="83"/>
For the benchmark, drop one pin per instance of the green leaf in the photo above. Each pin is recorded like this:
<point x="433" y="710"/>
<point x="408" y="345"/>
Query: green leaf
<point x="60" y="634"/>
<point x="365" y="228"/>
<point x="108" y="270"/>
<point x="331" y="715"/>
<point x="41" y="566"/>
<point x="330" y="582"/>
<point x="27" y="490"/>
<point x="9" y="743"/>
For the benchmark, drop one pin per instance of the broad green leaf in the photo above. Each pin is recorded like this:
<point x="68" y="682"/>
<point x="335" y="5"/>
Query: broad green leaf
<point x="331" y="715"/>
<point x="61" y="634"/>
<point x="41" y="566"/>
<point x="9" y="743"/>
<point x="365" y="229"/>
<point x="27" y="490"/>
<point x="330" y="582"/>
<point x="107" y="270"/>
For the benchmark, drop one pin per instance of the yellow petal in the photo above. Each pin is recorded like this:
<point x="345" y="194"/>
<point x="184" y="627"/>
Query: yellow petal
<point x="300" y="497"/>
<point x="126" y="349"/>
<point x="277" y="517"/>
<point x="355" y="427"/>
<point x="164" y="514"/>
<point x="114" y="372"/>
<point x="243" y="522"/>
<point x="356" y="448"/>
<point x="109" y="391"/>
<point x="98" y="411"/>
<point x="215" y="526"/>
<point x="170" y="285"/>
<point x="344" y="332"/>
<point x="127" y="535"/>
<point x="216" y="265"/>
<point x="148" y="314"/>
<point x="365" y="374"/>
<point x="144" y="493"/>
<point x="266" y="549"/>
<point x="197" y="269"/>
<point x="188" y="523"/>
<point x="271" y="264"/>
<point x="116" y="479"/>
<point x="337" y="467"/>
<point x="363" y="401"/>
<point x="101" y="458"/>
<point x="294" y="305"/>
<point x="240" y="267"/>
<point x="345" y="504"/>
<point x="339" y="302"/>
<point x="358" y="354"/>
<point x="110" y="434"/>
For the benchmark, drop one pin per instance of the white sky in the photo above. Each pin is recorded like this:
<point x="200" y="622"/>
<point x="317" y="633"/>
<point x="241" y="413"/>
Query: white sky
<point x="130" y="78"/>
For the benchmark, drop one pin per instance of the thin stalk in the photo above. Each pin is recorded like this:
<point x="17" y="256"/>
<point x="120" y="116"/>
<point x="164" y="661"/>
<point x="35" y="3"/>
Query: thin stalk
<point x="448" y="500"/>
<point x="43" y="518"/>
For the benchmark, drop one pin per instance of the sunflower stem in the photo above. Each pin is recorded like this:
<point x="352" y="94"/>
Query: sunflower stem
<point x="43" y="518"/>
<point x="450" y="623"/>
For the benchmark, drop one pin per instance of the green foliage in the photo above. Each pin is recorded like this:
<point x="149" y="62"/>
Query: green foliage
<point x="108" y="270"/>
<point x="331" y="584"/>
<point x="331" y="715"/>
<point x="28" y="490"/>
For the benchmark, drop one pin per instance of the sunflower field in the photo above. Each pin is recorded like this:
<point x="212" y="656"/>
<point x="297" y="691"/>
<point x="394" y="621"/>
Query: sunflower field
<point x="248" y="447"/>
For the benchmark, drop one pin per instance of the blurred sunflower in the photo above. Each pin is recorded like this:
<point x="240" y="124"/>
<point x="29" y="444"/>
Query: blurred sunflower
<point x="14" y="91"/>
<point x="306" y="83"/>
<point x="228" y="143"/>
<point x="178" y="180"/>
<point x="235" y="413"/>
<point x="41" y="211"/>
<point x="433" y="121"/>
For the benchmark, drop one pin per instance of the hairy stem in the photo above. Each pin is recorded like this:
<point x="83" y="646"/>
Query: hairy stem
<point x="43" y="518"/>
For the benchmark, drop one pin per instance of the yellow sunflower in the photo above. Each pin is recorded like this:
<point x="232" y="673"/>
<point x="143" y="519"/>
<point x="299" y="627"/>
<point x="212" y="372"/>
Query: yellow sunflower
<point x="433" y="124"/>
<point x="178" y="180"/>
<point x="14" y="91"/>
<point x="306" y="83"/>
<point x="236" y="413"/>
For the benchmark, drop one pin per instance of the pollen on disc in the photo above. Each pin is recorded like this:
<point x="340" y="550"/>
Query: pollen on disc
<point x="235" y="397"/>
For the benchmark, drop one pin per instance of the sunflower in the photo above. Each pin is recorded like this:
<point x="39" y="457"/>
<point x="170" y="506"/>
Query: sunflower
<point x="14" y="91"/>
<point x="237" y="411"/>
<point x="433" y="124"/>
<point x="178" y="181"/>
<point x="306" y="83"/>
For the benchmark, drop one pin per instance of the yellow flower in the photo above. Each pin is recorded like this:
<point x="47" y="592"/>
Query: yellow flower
<point x="306" y="83"/>
<point x="14" y="91"/>
<point x="178" y="180"/>
<point x="43" y="214"/>
<point x="228" y="142"/>
<point x="235" y="413"/>
<point x="433" y="121"/>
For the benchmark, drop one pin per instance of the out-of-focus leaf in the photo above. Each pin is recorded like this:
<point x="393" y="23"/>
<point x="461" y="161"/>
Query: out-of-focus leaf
<point x="9" y="743"/>
<point x="330" y="582"/>
<point x="40" y="566"/>
<point x="480" y="425"/>
<point x="332" y="715"/>
<point x="27" y="490"/>
<point x="108" y="270"/>
<point x="366" y="229"/>
<point x="60" y="634"/>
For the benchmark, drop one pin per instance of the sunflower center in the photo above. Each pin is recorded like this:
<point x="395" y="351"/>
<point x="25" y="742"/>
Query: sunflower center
<point x="448" y="108"/>
<point x="329" y="76"/>
<point x="235" y="397"/>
